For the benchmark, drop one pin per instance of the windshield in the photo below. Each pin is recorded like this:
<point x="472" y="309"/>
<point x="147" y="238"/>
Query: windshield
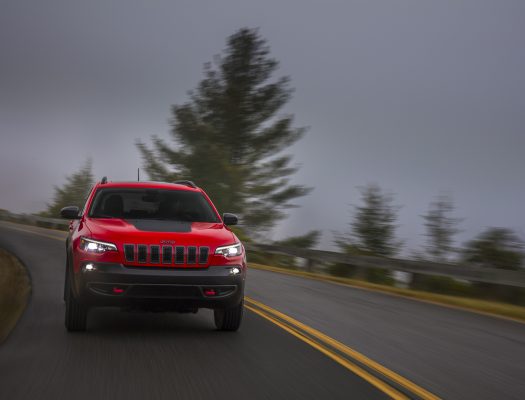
<point x="143" y="203"/>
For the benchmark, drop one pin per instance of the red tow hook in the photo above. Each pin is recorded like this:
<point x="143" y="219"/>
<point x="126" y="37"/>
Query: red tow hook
<point x="118" y="290"/>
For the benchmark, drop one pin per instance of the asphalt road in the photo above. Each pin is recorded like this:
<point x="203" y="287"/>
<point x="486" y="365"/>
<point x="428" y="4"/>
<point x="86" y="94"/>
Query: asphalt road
<point x="152" y="356"/>
<point x="454" y="354"/>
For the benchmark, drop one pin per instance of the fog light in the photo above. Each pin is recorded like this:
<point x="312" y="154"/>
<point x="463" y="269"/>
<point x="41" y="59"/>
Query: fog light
<point x="235" y="271"/>
<point x="210" y="292"/>
<point x="89" y="267"/>
<point x="118" y="290"/>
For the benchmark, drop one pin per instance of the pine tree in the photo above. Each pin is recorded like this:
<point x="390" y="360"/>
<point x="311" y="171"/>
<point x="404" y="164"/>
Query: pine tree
<point x="373" y="226"/>
<point x="441" y="229"/>
<point x="497" y="248"/>
<point x="73" y="192"/>
<point x="228" y="137"/>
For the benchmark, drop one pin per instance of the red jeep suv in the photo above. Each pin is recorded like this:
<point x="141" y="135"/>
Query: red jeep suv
<point x="152" y="246"/>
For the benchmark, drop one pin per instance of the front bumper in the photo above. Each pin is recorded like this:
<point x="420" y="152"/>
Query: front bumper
<point x="110" y="284"/>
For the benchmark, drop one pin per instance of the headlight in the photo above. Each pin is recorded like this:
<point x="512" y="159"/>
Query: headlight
<point x="230" y="251"/>
<point x="94" y="246"/>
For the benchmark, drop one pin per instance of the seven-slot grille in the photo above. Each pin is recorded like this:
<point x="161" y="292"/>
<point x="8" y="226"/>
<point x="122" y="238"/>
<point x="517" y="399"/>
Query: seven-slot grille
<point x="165" y="254"/>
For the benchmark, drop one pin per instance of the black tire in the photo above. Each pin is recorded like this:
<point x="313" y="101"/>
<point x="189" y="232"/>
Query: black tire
<point x="66" y="281"/>
<point x="76" y="313"/>
<point x="229" y="319"/>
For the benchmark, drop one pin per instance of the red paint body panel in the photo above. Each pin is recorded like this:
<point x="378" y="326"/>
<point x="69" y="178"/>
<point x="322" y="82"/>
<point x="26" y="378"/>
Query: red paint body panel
<point x="121" y="232"/>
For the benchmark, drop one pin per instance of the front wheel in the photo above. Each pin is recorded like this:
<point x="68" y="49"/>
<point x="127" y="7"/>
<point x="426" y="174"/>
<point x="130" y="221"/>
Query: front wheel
<point x="76" y="313"/>
<point x="229" y="319"/>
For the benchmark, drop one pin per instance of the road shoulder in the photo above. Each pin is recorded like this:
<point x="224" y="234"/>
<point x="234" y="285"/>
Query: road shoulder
<point x="15" y="288"/>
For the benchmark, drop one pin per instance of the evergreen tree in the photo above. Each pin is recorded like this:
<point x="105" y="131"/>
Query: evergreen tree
<point x="373" y="226"/>
<point x="441" y="229"/>
<point x="73" y="192"/>
<point x="228" y="137"/>
<point x="497" y="248"/>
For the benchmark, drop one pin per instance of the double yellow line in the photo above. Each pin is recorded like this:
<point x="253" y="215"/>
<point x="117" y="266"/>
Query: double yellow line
<point x="387" y="381"/>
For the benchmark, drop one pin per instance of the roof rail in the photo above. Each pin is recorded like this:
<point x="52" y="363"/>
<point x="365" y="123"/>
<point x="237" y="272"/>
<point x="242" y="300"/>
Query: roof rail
<point x="186" y="183"/>
<point x="104" y="180"/>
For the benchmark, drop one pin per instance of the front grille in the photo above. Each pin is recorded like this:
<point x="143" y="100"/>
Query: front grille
<point x="167" y="255"/>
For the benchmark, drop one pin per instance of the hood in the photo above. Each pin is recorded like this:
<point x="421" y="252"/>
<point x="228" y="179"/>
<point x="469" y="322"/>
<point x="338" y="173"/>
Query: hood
<point x="154" y="231"/>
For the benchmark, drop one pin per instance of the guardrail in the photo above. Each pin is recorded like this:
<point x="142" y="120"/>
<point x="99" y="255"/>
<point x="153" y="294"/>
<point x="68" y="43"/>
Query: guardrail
<point x="53" y="223"/>
<point x="321" y="260"/>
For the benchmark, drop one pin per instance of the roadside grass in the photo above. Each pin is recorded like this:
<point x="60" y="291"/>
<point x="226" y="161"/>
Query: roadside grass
<point x="510" y="311"/>
<point x="15" y="288"/>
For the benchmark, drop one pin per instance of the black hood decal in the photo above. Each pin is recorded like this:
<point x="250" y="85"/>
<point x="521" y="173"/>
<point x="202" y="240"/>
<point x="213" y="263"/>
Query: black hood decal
<point x="154" y="225"/>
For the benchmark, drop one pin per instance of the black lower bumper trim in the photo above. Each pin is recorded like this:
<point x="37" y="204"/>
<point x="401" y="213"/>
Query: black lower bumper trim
<point x="118" y="285"/>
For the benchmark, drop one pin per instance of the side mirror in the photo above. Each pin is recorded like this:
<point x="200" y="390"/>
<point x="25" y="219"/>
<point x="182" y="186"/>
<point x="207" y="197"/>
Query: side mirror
<point x="70" y="212"/>
<point x="229" y="219"/>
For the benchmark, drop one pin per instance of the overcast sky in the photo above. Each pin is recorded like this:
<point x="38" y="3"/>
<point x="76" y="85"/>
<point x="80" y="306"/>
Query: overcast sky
<point x="420" y="97"/>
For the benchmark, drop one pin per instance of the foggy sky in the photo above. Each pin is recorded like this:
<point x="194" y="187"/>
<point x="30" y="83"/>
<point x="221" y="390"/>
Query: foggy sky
<point x="420" y="97"/>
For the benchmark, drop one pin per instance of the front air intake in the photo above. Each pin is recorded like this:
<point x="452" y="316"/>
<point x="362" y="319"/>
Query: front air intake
<point x="179" y="255"/>
<point x="203" y="255"/>
<point x="142" y="253"/>
<point x="129" y="252"/>
<point x="192" y="255"/>
<point x="154" y="255"/>
<point x="167" y="254"/>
